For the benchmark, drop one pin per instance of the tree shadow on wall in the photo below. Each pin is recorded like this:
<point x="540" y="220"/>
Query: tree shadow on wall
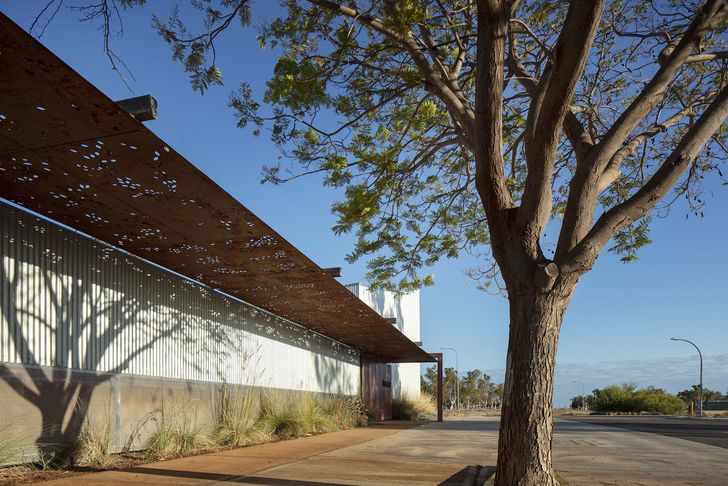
<point x="332" y="373"/>
<point x="69" y="326"/>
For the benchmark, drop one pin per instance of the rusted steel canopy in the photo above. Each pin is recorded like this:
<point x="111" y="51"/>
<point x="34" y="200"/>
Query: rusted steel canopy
<point x="69" y="152"/>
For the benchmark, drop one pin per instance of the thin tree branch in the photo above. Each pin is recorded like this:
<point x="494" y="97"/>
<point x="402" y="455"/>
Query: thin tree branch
<point x="583" y="192"/>
<point x="582" y="257"/>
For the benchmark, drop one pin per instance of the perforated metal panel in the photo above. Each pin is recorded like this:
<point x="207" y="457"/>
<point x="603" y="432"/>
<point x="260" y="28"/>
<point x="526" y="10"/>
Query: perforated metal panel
<point x="68" y="152"/>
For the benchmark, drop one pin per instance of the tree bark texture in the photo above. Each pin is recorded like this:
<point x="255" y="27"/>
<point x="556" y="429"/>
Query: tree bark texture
<point x="526" y="430"/>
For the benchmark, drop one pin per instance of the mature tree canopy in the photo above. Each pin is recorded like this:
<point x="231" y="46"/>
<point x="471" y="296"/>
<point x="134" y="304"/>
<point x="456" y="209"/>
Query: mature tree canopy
<point x="594" y="99"/>
<point x="403" y="77"/>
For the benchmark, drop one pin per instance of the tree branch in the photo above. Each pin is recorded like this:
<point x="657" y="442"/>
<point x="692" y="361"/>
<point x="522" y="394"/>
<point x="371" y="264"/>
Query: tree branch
<point x="612" y="171"/>
<point x="491" y="184"/>
<point x="583" y="192"/>
<point x="582" y="257"/>
<point x="548" y="109"/>
<point x="434" y="83"/>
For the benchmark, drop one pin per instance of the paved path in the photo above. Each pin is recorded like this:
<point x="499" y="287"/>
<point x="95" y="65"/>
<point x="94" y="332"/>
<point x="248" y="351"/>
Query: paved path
<point x="328" y="459"/>
<point x="584" y="454"/>
<point x="711" y="431"/>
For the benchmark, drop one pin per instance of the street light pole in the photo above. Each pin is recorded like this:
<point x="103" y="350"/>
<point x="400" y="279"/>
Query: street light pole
<point x="700" y="399"/>
<point x="457" y="378"/>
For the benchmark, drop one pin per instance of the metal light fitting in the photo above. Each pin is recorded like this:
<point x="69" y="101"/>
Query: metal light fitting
<point x="143" y="108"/>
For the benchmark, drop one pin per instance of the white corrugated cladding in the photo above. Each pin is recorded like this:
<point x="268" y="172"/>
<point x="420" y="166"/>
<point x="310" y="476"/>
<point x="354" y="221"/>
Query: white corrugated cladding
<point x="70" y="301"/>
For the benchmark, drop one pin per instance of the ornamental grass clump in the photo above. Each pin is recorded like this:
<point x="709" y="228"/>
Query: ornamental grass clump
<point x="93" y="446"/>
<point x="178" y="434"/>
<point x="316" y="416"/>
<point x="346" y="412"/>
<point x="8" y="451"/>
<point x="238" y="420"/>
<point x="281" y="416"/>
<point x="414" y="408"/>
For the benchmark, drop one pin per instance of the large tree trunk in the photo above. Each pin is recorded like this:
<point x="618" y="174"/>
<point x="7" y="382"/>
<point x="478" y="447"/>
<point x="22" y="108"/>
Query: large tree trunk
<point x="524" y="444"/>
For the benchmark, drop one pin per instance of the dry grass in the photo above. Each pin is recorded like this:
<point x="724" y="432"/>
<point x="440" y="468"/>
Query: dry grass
<point x="346" y="412"/>
<point x="246" y="417"/>
<point x="299" y="414"/>
<point x="282" y="416"/>
<point x="94" y="443"/>
<point x="178" y="434"/>
<point x="716" y="413"/>
<point x="237" y="421"/>
<point x="8" y="451"/>
<point x="414" y="408"/>
<point x="487" y="412"/>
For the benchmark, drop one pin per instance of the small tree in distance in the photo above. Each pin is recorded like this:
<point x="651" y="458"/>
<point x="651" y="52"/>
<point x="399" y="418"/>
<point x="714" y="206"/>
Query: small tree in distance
<point x="528" y="133"/>
<point x="691" y="395"/>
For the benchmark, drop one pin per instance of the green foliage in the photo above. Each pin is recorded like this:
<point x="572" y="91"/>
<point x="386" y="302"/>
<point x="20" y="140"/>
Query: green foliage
<point x="195" y="52"/>
<point x="626" y="398"/>
<point x="398" y="153"/>
<point x="476" y="387"/>
<point x="691" y="395"/>
<point x="615" y="398"/>
<point x="579" y="402"/>
<point x="631" y="239"/>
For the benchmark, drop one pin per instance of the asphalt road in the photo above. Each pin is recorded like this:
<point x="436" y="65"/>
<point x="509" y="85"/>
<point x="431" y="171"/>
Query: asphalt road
<point x="706" y="431"/>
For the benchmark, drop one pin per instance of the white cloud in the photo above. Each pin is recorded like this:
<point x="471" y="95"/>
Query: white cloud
<point x="672" y="373"/>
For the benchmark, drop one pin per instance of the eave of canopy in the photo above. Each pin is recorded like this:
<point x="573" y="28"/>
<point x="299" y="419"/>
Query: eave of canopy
<point x="70" y="153"/>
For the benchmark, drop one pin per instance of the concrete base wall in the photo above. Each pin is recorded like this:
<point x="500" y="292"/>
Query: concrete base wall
<point x="44" y="408"/>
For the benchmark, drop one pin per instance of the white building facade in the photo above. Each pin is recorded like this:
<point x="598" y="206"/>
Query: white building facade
<point x="406" y="312"/>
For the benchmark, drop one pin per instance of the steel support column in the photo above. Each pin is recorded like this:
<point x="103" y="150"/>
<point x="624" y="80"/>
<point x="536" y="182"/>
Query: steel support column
<point x="438" y="357"/>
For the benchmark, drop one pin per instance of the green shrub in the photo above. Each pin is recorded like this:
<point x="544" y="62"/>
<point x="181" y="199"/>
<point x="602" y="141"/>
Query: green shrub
<point x="626" y="398"/>
<point x="414" y="408"/>
<point x="656" y="400"/>
<point x="615" y="398"/>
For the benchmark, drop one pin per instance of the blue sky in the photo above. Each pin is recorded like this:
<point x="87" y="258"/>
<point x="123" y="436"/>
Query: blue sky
<point x="620" y="320"/>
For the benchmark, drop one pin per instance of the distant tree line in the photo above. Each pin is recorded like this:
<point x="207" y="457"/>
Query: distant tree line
<point x="691" y="395"/>
<point x="627" y="398"/>
<point x="477" y="390"/>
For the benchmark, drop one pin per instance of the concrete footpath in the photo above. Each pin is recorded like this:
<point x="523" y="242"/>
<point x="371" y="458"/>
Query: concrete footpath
<point x="584" y="454"/>
<point x="327" y="459"/>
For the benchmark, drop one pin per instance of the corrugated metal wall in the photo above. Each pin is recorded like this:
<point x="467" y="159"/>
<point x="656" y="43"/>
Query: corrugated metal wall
<point x="69" y="301"/>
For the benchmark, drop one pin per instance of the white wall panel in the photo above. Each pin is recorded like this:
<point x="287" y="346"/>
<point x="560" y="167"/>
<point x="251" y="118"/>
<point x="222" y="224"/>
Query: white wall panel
<point x="70" y="301"/>
<point x="406" y="309"/>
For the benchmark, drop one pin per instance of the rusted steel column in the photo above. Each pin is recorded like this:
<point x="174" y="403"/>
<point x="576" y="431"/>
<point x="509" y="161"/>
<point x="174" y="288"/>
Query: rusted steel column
<point x="438" y="357"/>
